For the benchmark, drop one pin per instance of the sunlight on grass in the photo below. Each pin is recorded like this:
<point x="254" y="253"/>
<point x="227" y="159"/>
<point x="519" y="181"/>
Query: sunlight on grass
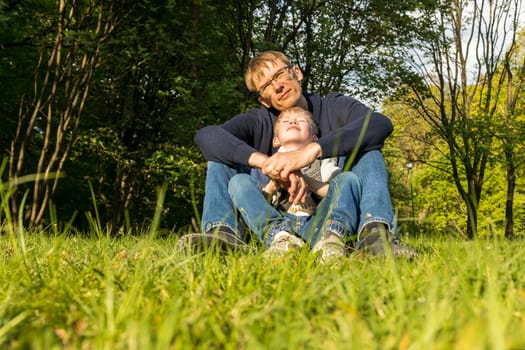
<point x="134" y="291"/>
<point x="137" y="293"/>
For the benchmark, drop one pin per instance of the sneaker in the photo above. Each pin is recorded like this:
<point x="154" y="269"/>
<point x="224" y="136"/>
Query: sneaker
<point x="376" y="241"/>
<point x="222" y="238"/>
<point x="331" y="247"/>
<point x="284" y="242"/>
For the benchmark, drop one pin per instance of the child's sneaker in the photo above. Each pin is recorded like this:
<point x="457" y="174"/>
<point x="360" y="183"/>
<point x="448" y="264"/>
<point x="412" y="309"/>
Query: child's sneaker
<point x="284" y="242"/>
<point x="331" y="247"/>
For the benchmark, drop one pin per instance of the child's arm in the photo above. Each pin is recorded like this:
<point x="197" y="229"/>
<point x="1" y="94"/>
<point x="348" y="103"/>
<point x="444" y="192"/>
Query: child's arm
<point x="318" y="187"/>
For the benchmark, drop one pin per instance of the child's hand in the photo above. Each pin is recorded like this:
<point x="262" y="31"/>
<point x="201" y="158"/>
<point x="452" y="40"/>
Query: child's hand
<point x="296" y="187"/>
<point x="271" y="187"/>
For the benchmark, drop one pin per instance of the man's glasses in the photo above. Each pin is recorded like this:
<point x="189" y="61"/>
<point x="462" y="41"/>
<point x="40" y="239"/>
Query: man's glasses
<point x="280" y="75"/>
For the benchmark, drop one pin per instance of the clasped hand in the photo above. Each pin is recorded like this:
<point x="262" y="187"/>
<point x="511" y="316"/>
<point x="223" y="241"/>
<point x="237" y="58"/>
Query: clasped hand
<point x="285" y="168"/>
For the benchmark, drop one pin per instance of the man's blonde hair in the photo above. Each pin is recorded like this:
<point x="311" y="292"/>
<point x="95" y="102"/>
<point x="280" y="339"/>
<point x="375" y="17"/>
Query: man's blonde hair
<point x="262" y="60"/>
<point x="296" y="110"/>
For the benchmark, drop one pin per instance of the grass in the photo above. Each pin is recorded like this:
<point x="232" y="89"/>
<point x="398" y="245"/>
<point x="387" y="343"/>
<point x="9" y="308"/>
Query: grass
<point x="72" y="292"/>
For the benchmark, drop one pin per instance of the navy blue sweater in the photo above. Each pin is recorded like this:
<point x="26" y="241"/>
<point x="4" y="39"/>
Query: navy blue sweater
<point x="339" y="118"/>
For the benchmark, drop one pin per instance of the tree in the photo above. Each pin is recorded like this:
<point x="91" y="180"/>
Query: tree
<point x="461" y="88"/>
<point x="511" y="127"/>
<point x="182" y="68"/>
<point x="171" y="77"/>
<point x="49" y="115"/>
<point x="121" y="90"/>
<point x="342" y="46"/>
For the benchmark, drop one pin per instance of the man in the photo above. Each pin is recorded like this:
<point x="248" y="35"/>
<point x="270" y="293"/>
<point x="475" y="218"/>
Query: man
<point x="346" y="128"/>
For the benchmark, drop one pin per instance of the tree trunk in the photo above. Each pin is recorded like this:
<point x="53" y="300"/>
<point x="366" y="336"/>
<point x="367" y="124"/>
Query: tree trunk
<point x="511" y="186"/>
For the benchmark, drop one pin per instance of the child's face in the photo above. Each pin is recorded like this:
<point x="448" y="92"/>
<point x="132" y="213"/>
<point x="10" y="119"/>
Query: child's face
<point x="293" y="128"/>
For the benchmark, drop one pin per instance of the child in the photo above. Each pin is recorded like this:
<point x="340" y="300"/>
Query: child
<point x="293" y="130"/>
<point x="329" y="212"/>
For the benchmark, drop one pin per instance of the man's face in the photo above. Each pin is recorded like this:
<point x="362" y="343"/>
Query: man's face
<point x="279" y="87"/>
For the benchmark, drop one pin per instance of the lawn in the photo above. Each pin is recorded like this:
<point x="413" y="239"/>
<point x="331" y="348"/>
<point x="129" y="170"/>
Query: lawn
<point x="137" y="292"/>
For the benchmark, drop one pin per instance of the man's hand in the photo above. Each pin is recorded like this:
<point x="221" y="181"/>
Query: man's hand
<point x="286" y="168"/>
<point x="282" y="164"/>
<point x="294" y="183"/>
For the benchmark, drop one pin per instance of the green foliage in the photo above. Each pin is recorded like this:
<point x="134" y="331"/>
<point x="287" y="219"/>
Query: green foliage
<point x="16" y="55"/>
<point x="171" y="67"/>
<point x="184" y="171"/>
<point x="100" y="153"/>
<point x="348" y="46"/>
<point x="440" y="210"/>
<point x="167" y="81"/>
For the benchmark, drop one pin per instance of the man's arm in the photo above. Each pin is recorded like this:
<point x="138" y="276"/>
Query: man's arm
<point x="219" y="145"/>
<point x="234" y="141"/>
<point x="345" y="124"/>
<point x="348" y="125"/>
<point x="365" y="134"/>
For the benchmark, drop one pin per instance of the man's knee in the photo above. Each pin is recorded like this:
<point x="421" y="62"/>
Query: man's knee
<point x="240" y="182"/>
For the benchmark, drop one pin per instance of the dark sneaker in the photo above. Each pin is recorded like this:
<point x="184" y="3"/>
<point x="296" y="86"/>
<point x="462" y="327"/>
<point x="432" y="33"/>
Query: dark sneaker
<point x="282" y="243"/>
<point x="376" y="241"/>
<point x="221" y="238"/>
<point x="331" y="247"/>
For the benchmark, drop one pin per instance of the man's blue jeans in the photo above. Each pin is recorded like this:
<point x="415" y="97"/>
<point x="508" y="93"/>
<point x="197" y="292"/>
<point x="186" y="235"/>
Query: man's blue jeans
<point x="370" y="169"/>
<point x="336" y="212"/>
<point x="376" y="203"/>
